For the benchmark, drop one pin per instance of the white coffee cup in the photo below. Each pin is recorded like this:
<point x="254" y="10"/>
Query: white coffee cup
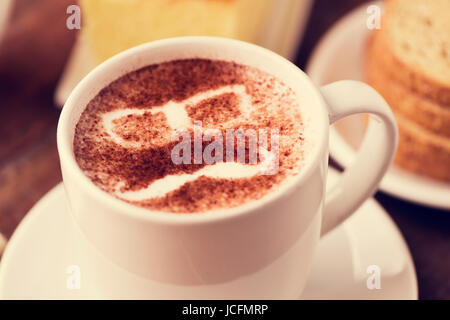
<point x="260" y="250"/>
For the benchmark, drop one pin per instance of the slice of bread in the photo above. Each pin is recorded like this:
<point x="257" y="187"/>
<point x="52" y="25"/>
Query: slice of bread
<point x="417" y="50"/>
<point x="422" y="152"/>
<point x="425" y="112"/>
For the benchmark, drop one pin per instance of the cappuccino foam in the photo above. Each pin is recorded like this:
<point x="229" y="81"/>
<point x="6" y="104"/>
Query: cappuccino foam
<point x="125" y="138"/>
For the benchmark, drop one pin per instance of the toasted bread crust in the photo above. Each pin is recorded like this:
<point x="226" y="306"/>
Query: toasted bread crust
<point x="422" y="152"/>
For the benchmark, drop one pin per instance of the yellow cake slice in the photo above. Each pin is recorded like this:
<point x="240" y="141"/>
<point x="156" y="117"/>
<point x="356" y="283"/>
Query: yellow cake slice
<point x="112" y="26"/>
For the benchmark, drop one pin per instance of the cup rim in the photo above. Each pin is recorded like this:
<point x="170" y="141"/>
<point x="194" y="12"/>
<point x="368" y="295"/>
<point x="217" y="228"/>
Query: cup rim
<point x="67" y="157"/>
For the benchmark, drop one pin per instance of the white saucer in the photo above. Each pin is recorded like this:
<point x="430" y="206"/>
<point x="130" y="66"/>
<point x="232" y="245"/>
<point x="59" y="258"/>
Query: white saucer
<point x="36" y="259"/>
<point x="339" y="56"/>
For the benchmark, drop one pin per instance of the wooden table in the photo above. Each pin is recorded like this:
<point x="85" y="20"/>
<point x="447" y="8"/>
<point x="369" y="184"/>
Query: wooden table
<point x="32" y="57"/>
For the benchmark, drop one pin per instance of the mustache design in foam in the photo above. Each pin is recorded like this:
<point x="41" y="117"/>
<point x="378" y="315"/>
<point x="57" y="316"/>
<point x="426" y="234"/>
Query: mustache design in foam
<point x="222" y="170"/>
<point x="175" y="112"/>
<point x="178" y="119"/>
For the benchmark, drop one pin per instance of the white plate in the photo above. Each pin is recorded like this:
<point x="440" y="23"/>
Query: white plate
<point x="45" y="245"/>
<point x="339" y="56"/>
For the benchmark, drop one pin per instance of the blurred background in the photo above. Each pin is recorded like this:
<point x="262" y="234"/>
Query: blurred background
<point x="36" y="76"/>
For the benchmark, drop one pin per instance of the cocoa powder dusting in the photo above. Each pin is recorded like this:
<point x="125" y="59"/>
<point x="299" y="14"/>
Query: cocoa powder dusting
<point x="142" y="156"/>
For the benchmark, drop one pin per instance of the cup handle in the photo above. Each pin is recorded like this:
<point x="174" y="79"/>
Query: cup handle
<point x="377" y="150"/>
